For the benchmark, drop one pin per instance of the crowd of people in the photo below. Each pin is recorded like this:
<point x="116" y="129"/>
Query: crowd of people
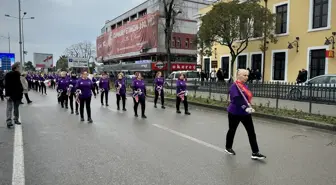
<point x="77" y="91"/>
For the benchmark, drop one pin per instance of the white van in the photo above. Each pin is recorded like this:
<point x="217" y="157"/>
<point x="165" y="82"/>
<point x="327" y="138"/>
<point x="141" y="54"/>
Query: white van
<point x="192" y="77"/>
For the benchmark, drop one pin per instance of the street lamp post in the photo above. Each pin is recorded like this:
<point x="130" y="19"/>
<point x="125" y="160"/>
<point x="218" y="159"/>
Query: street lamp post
<point x="9" y="44"/>
<point x="21" y="42"/>
<point x="24" y="51"/>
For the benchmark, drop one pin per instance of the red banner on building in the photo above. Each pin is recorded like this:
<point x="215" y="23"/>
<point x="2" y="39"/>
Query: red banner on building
<point x="131" y="37"/>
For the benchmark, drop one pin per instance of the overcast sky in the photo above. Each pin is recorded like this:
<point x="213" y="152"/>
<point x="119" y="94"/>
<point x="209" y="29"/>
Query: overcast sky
<point x="57" y="24"/>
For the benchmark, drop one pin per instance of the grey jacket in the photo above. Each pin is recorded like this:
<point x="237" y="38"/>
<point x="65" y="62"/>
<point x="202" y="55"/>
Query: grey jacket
<point x="24" y="84"/>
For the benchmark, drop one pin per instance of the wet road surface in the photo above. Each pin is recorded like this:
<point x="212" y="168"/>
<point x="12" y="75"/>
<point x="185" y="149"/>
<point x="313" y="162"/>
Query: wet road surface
<point x="166" y="148"/>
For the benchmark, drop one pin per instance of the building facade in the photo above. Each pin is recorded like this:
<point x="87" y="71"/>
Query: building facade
<point x="302" y="30"/>
<point x="138" y="35"/>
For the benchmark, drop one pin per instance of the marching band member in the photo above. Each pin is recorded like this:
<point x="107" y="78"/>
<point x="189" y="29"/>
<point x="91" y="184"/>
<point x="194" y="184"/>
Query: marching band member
<point x="43" y="86"/>
<point x="182" y="93"/>
<point x="240" y="110"/>
<point x="104" y="87"/>
<point x="158" y="84"/>
<point x="36" y="82"/>
<point x="51" y="77"/>
<point x="72" y="92"/>
<point x="29" y="78"/>
<point x="84" y="87"/>
<point x="120" y="86"/>
<point x="62" y="86"/>
<point x="139" y="95"/>
<point x="95" y="85"/>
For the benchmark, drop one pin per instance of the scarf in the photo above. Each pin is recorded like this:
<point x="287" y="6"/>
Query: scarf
<point x="245" y="90"/>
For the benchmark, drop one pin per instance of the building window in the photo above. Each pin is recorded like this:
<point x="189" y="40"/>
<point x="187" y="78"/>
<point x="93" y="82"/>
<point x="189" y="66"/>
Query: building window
<point x="173" y="42"/>
<point x="178" y="43"/>
<point x="281" y="20"/>
<point x="279" y="66"/>
<point x="317" y="62"/>
<point x="257" y="28"/>
<point x="243" y="29"/>
<point x="256" y="62"/>
<point x="187" y="43"/>
<point x="143" y="13"/>
<point x="206" y="65"/>
<point x="320" y="13"/>
<point x="225" y="66"/>
<point x="241" y="62"/>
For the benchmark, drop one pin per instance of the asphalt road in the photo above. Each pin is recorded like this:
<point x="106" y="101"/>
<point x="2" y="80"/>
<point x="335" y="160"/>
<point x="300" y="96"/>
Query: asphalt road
<point x="118" y="149"/>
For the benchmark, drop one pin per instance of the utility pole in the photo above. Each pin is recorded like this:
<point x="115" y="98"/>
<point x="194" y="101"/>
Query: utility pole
<point x="9" y="44"/>
<point x="20" y="33"/>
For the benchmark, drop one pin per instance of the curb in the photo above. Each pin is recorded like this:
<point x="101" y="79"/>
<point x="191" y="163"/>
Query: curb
<point x="309" y="123"/>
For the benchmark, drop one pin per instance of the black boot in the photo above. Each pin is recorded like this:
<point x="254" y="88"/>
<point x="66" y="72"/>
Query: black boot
<point x="90" y="120"/>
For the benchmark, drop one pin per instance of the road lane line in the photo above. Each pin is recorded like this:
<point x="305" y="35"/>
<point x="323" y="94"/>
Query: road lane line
<point x="18" y="176"/>
<point x="190" y="138"/>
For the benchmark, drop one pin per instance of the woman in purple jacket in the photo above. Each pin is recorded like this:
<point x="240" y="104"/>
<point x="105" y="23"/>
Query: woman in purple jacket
<point x="84" y="88"/>
<point x="104" y="87"/>
<point x="120" y="86"/>
<point x="139" y="95"/>
<point x="62" y="86"/>
<point x="72" y="92"/>
<point x="240" y="110"/>
<point x="158" y="84"/>
<point x="181" y="94"/>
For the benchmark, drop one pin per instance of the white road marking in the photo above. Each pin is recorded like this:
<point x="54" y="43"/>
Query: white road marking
<point x="18" y="176"/>
<point x="190" y="138"/>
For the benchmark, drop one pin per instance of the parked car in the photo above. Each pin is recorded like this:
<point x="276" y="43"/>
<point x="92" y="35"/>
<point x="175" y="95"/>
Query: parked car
<point x="318" y="88"/>
<point x="192" y="78"/>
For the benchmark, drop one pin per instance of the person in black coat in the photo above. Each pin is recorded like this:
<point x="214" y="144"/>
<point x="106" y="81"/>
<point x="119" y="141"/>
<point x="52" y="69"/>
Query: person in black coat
<point x="13" y="94"/>
<point x="2" y="76"/>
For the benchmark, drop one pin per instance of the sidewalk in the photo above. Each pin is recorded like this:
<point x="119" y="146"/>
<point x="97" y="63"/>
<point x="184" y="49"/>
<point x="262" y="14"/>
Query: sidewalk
<point x="323" y="109"/>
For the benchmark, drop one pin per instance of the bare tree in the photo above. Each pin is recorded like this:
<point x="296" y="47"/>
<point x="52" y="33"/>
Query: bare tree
<point x="170" y="13"/>
<point x="83" y="49"/>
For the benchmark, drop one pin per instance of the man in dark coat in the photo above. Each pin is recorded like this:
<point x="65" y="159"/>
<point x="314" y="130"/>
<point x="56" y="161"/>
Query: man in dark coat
<point x="2" y="77"/>
<point x="13" y="94"/>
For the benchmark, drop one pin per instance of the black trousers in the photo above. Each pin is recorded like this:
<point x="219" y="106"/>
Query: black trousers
<point x="64" y="99"/>
<point x="29" y="84"/>
<point x="142" y="102"/>
<point x="185" y="103"/>
<point x="104" y="93"/>
<point x="2" y="97"/>
<point x="43" y="88"/>
<point x="37" y="86"/>
<point x="52" y="83"/>
<point x="87" y="103"/>
<point x="95" y="88"/>
<point x="27" y="97"/>
<point x="123" y="98"/>
<point x="157" y="97"/>
<point x="72" y="99"/>
<point x="247" y="121"/>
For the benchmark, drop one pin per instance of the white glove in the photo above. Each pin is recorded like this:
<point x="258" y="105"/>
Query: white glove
<point x="249" y="110"/>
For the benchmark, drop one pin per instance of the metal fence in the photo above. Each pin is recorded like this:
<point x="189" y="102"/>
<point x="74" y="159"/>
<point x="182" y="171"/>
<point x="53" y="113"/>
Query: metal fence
<point x="314" y="93"/>
<point x="310" y="98"/>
